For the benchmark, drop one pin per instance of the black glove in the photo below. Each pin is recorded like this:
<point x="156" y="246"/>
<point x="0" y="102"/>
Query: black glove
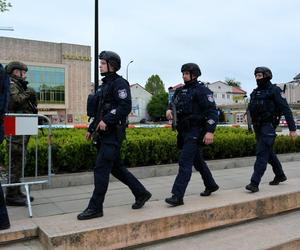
<point x="24" y="84"/>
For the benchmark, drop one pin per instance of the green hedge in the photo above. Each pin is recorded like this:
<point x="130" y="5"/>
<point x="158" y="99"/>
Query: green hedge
<point x="72" y="153"/>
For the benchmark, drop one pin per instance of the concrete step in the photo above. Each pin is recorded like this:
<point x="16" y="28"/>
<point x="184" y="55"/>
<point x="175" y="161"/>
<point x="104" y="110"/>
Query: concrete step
<point x="30" y="244"/>
<point x="123" y="227"/>
<point x="276" y="232"/>
<point x="87" y="178"/>
<point x="19" y="230"/>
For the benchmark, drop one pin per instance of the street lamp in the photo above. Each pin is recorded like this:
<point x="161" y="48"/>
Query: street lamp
<point x="127" y="70"/>
<point x="96" y="70"/>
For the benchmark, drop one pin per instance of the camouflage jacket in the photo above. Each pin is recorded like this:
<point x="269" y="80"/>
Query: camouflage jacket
<point x="21" y="100"/>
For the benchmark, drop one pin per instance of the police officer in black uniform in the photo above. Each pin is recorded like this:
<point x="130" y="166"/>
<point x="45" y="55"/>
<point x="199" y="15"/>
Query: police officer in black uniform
<point x="266" y="106"/>
<point x="112" y="106"/>
<point x="4" y="95"/>
<point x="197" y="119"/>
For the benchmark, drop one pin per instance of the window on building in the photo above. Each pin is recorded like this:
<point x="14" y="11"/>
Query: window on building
<point x="228" y="96"/>
<point x="239" y="118"/>
<point x="48" y="82"/>
<point x="223" y="96"/>
<point x="215" y="96"/>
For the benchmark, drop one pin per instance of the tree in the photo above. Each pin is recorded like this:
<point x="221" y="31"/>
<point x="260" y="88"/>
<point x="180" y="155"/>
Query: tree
<point x="232" y="82"/>
<point x="155" y="85"/>
<point x="4" y="5"/>
<point x="157" y="106"/>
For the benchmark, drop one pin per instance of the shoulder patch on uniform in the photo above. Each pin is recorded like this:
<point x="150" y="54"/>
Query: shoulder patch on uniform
<point x="113" y="111"/>
<point x="211" y="122"/>
<point x="210" y="98"/>
<point x="122" y="93"/>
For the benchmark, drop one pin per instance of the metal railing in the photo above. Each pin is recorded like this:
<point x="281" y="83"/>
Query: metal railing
<point x="32" y="129"/>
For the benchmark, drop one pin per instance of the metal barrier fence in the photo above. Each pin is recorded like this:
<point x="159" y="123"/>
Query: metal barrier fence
<point x="24" y="125"/>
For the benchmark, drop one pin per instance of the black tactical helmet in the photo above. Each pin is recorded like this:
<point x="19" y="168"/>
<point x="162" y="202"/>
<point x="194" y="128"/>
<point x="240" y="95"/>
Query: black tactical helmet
<point x="15" y="65"/>
<point x="266" y="72"/>
<point x="112" y="58"/>
<point x="193" y="68"/>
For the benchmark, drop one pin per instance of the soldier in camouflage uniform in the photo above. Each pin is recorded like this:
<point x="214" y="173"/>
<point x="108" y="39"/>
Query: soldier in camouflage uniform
<point x="22" y="100"/>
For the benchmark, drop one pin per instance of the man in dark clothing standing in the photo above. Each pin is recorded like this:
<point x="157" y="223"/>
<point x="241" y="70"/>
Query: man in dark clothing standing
<point x="4" y="95"/>
<point x="267" y="104"/>
<point x="110" y="107"/>
<point x="197" y="119"/>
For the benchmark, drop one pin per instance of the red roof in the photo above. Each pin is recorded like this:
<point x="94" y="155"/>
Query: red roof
<point x="236" y="90"/>
<point x="178" y="85"/>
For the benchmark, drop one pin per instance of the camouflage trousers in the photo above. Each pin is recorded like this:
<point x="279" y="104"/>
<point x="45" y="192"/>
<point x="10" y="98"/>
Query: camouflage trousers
<point x="16" y="161"/>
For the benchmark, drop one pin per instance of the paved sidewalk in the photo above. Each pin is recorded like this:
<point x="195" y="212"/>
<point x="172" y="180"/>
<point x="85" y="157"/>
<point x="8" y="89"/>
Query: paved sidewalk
<point x="75" y="199"/>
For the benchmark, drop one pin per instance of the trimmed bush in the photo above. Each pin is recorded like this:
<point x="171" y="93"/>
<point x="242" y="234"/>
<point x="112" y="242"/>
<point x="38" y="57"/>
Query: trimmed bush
<point x="142" y="146"/>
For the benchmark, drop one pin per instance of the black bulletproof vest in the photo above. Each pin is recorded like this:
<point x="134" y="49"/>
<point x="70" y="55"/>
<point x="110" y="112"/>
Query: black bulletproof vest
<point x="262" y="106"/>
<point x="187" y="103"/>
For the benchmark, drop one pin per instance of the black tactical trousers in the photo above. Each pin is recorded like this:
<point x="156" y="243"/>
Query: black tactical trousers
<point x="108" y="161"/>
<point x="4" y="220"/>
<point x="265" y="138"/>
<point x="191" y="155"/>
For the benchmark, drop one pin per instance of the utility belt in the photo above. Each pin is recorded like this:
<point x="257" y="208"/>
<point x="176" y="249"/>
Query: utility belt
<point x="190" y="122"/>
<point x="272" y="120"/>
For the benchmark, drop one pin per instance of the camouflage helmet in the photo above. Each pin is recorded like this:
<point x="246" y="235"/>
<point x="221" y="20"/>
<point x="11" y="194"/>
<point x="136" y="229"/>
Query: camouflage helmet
<point x="267" y="73"/>
<point x="15" y="65"/>
<point x="193" y="68"/>
<point x="112" y="58"/>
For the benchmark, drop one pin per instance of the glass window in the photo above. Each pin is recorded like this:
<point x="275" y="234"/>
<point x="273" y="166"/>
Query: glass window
<point x="239" y="118"/>
<point x="223" y="96"/>
<point x="48" y="82"/>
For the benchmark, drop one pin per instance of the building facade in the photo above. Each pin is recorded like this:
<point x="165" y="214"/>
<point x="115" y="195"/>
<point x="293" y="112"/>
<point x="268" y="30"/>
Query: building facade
<point x="292" y="90"/>
<point x="60" y="73"/>
<point x="140" y="99"/>
<point x="227" y="95"/>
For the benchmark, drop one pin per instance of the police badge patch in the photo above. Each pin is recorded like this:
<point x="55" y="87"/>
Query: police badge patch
<point x="210" y="98"/>
<point x="113" y="111"/>
<point x="122" y="93"/>
<point x="211" y="122"/>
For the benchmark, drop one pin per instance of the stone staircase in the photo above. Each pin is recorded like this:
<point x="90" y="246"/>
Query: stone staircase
<point x="122" y="227"/>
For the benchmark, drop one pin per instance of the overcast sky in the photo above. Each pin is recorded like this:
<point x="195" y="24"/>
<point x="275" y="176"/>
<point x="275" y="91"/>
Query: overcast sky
<point x="228" y="39"/>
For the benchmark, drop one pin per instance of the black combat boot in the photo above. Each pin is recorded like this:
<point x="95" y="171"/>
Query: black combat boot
<point x="16" y="200"/>
<point x="174" y="201"/>
<point x="209" y="190"/>
<point x="141" y="200"/>
<point x="4" y="220"/>
<point x="24" y="195"/>
<point x="277" y="180"/>
<point x="252" y="187"/>
<point x="89" y="214"/>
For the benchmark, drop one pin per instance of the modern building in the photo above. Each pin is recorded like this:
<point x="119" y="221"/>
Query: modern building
<point x="59" y="72"/>
<point x="140" y="99"/>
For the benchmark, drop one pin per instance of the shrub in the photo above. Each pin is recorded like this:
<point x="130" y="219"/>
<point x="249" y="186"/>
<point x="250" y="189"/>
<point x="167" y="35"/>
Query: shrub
<point x="142" y="146"/>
